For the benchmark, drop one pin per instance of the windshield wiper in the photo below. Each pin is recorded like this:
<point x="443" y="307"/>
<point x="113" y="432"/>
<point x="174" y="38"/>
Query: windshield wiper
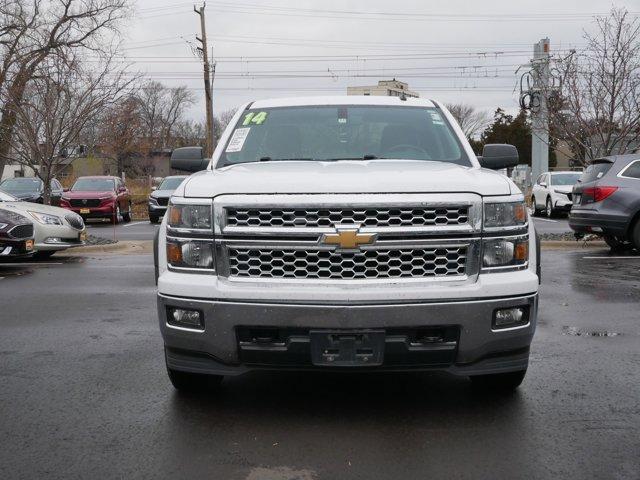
<point x="364" y="157"/>
<point x="270" y="159"/>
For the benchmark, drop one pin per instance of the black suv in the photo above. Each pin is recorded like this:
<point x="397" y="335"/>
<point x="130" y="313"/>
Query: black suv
<point x="606" y="201"/>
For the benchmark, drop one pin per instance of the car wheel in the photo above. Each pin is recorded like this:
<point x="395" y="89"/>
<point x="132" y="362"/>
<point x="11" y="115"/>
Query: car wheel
<point x="534" y="209"/>
<point x="126" y="216"/>
<point x="116" y="218"/>
<point x="616" y="244"/>
<point x="500" y="382"/>
<point x="153" y="219"/>
<point x="635" y="234"/>
<point x="193" y="382"/>
<point x="549" y="210"/>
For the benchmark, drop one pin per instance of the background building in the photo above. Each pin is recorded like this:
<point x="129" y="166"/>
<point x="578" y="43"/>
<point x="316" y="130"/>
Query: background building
<point x="385" y="88"/>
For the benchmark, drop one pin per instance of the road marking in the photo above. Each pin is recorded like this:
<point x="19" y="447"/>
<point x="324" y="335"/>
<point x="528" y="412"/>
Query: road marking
<point x="136" y="223"/>
<point x="547" y="220"/>
<point x="636" y="257"/>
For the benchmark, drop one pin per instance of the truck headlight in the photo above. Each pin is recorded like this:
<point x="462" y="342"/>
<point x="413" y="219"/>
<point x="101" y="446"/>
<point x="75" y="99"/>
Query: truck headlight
<point x="505" y="253"/>
<point x="505" y="214"/>
<point x="190" y="217"/>
<point x="190" y="253"/>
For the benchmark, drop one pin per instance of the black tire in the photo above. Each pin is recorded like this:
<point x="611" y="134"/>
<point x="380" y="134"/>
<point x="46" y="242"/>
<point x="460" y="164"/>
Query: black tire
<point x="616" y="244"/>
<point x="126" y="216"/>
<point x="115" y="219"/>
<point x="534" y="210"/>
<point x="194" y="382"/>
<point x="44" y="255"/>
<point x="499" y="382"/>
<point x="549" y="210"/>
<point x="154" y="219"/>
<point x="635" y="234"/>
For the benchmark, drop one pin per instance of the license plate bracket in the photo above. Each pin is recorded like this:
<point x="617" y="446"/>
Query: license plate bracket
<point x="85" y="210"/>
<point x="347" y="348"/>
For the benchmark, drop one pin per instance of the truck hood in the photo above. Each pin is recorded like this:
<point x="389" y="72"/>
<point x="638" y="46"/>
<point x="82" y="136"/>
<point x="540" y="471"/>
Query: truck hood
<point x="373" y="176"/>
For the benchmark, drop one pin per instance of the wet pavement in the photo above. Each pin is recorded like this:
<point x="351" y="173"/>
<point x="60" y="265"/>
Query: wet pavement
<point x="84" y="393"/>
<point x="135" y="230"/>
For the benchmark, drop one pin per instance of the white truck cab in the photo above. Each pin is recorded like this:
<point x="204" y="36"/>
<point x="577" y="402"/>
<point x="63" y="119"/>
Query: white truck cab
<point x="346" y="233"/>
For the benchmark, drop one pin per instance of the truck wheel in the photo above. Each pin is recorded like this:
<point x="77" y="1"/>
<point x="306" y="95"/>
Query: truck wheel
<point x="616" y="244"/>
<point x="502" y="382"/>
<point x="193" y="382"/>
<point x="126" y="216"/>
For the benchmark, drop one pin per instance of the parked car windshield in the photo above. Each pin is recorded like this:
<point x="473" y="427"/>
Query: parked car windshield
<point x="21" y="185"/>
<point x="565" y="178"/>
<point x="332" y="133"/>
<point x="5" y="197"/>
<point x="171" y="183"/>
<point x="93" y="184"/>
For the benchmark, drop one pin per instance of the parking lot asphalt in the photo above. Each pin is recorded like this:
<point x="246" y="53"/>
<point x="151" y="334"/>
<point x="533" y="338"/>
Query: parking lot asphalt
<point x="85" y="395"/>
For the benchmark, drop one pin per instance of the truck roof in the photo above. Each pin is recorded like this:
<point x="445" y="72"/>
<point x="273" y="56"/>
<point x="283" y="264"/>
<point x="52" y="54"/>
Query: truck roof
<point x="340" y="100"/>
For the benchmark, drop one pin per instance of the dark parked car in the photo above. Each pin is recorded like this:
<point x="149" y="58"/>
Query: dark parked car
<point x="99" y="197"/>
<point x="606" y="201"/>
<point x="16" y="235"/>
<point x="159" y="199"/>
<point x="31" y="189"/>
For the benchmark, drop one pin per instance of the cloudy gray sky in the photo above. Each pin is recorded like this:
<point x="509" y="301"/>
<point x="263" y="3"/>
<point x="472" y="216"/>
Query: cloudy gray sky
<point x="455" y="50"/>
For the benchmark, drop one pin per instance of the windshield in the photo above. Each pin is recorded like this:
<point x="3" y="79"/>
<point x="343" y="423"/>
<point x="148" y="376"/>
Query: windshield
<point x="565" y="179"/>
<point x="5" y="197"/>
<point x="171" y="183"/>
<point x="21" y="185"/>
<point x="331" y="133"/>
<point x="93" y="185"/>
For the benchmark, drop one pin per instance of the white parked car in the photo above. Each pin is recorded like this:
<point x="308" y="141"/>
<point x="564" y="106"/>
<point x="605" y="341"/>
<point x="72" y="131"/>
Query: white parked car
<point x="552" y="192"/>
<point x="55" y="228"/>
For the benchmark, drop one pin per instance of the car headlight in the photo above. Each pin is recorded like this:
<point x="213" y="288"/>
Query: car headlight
<point x="190" y="217"/>
<point x="3" y="226"/>
<point x="189" y="253"/>
<point x="46" y="219"/>
<point x="505" y="214"/>
<point x="505" y="253"/>
<point x="153" y="200"/>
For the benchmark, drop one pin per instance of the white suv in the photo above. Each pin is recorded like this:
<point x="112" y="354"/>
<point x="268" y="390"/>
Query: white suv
<point x="551" y="193"/>
<point x="346" y="233"/>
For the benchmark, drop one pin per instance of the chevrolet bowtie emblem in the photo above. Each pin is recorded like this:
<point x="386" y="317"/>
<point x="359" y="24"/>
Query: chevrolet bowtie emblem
<point x="348" y="238"/>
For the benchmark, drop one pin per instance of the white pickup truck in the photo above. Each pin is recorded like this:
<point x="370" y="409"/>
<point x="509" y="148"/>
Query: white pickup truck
<point x="346" y="233"/>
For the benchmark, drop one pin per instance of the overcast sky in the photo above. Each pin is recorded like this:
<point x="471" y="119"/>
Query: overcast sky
<point x="455" y="50"/>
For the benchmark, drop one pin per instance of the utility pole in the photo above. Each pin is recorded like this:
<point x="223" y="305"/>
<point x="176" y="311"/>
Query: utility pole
<point x="539" y="109"/>
<point x="207" y="80"/>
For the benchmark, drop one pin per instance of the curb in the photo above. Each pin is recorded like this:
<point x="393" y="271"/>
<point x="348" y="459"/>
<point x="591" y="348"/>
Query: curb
<point x="122" y="247"/>
<point x="574" y="245"/>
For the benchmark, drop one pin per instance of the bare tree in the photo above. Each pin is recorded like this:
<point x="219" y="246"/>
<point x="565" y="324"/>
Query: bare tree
<point x="472" y="121"/>
<point x="58" y="104"/>
<point x="220" y="122"/>
<point x="189" y="133"/>
<point x="594" y="95"/>
<point x="33" y="31"/>
<point x="161" y="108"/>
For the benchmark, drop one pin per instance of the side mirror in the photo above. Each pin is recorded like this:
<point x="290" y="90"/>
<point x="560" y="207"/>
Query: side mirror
<point x="189" y="159"/>
<point x="543" y="184"/>
<point x="497" y="156"/>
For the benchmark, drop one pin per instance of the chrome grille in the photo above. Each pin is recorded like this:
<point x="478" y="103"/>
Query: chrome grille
<point x="366" y="217"/>
<point x="344" y="265"/>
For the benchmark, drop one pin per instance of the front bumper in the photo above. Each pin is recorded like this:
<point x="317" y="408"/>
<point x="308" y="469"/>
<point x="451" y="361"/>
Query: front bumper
<point x="478" y="349"/>
<point x="105" y="211"/>
<point x="157" y="210"/>
<point x="16" y="248"/>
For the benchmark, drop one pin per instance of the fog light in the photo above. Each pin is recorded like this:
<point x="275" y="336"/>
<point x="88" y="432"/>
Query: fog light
<point x="53" y="240"/>
<point x="180" y="317"/>
<point x="510" y="317"/>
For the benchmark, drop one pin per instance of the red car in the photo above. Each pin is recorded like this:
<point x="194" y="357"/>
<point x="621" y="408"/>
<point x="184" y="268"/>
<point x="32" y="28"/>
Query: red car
<point x="99" y="197"/>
